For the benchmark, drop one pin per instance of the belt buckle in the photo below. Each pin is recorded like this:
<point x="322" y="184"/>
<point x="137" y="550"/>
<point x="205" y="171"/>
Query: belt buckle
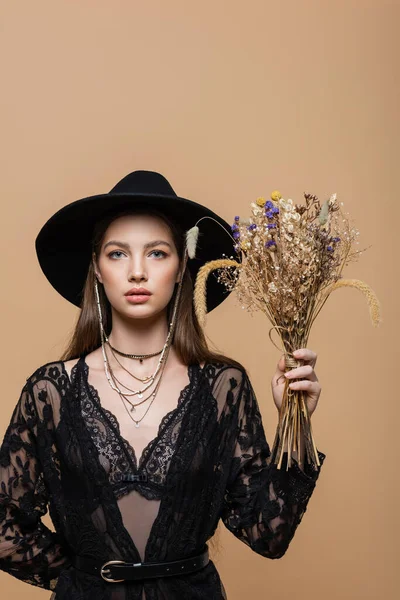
<point x="111" y="562"/>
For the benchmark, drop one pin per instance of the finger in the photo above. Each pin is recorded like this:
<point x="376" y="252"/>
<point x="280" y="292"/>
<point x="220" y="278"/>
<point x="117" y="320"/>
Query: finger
<point x="304" y="372"/>
<point x="306" y="355"/>
<point x="312" y="387"/>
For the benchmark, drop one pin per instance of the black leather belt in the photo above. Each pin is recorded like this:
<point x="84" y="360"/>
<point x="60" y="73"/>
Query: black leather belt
<point x="118" y="570"/>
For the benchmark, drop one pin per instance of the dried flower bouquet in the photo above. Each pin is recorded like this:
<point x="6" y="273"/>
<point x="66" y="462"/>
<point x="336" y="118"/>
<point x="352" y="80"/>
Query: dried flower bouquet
<point x="292" y="260"/>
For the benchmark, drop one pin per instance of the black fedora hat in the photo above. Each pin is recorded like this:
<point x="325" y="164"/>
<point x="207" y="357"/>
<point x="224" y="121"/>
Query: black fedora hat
<point x="64" y="243"/>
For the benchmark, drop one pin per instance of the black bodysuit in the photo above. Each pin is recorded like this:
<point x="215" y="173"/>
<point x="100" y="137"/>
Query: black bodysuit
<point x="63" y="452"/>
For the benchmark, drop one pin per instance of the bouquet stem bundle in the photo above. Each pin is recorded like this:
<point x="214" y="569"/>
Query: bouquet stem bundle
<point x="292" y="259"/>
<point x="294" y="422"/>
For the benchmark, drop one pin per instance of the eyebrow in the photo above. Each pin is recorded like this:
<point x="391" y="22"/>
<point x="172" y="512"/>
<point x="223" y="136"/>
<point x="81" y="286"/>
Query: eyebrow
<point x="146" y="246"/>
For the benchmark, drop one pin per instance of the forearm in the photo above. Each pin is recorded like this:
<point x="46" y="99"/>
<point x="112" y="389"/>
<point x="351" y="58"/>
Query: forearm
<point x="36" y="558"/>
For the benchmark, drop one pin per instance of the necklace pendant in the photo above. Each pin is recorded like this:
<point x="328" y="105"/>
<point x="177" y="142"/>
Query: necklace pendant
<point x="133" y="409"/>
<point x="140" y="395"/>
<point x="136" y="424"/>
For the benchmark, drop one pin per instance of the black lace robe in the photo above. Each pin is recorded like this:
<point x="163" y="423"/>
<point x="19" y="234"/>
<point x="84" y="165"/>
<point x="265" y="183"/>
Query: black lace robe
<point x="63" y="452"/>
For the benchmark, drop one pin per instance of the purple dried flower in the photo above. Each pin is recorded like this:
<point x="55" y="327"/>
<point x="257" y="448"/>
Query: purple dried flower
<point x="269" y="204"/>
<point x="271" y="225"/>
<point x="270" y="243"/>
<point x="237" y="218"/>
<point x="269" y="214"/>
<point x="275" y="210"/>
<point x="330" y="248"/>
<point x="234" y="227"/>
<point x="236" y="235"/>
<point x="251" y="227"/>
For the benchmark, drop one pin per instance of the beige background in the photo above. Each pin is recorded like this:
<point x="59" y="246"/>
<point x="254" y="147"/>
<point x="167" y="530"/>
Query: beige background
<point x="229" y="100"/>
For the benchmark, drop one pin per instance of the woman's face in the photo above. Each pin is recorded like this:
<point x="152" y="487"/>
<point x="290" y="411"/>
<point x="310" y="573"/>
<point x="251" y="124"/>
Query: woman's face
<point x="138" y="251"/>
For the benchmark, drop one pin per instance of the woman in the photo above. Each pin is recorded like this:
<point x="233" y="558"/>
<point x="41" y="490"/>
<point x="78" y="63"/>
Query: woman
<point x="140" y="438"/>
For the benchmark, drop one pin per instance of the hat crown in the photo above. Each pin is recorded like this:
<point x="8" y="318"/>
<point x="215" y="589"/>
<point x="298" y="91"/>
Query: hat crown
<point x="143" y="182"/>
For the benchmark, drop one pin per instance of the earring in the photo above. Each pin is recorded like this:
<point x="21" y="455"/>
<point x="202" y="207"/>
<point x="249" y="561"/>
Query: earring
<point x="100" y="316"/>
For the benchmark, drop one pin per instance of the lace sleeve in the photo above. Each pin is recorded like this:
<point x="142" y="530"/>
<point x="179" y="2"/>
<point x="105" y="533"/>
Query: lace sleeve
<point x="263" y="505"/>
<point x="28" y="549"/>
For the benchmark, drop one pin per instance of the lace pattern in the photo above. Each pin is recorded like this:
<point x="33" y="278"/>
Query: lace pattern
<point x="61" y="452"/>
<point x="118" y="457"/>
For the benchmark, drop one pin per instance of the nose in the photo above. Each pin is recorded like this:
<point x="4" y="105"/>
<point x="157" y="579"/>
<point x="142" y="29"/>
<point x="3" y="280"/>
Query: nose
<point x="137" y="270"/>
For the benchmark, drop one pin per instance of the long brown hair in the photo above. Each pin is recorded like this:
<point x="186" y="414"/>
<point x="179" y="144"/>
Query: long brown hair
<point x="189" y="340"/>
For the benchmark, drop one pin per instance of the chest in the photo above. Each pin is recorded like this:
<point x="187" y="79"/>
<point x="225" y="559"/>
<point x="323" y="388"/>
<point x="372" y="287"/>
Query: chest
<point x="178" y="438"/>
<point x="151" y="413"/>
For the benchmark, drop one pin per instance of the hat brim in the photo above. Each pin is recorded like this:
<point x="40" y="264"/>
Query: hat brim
<point x="64" y="251"/>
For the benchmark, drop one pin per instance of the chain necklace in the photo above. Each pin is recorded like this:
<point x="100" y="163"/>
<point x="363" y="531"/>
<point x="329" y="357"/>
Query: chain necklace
<point x="138" y="393"/>
<point x="137" y="422"/>
<point x="144" y="379"/>
<point x="123" y="394"/>
<point x="137" y="356"/>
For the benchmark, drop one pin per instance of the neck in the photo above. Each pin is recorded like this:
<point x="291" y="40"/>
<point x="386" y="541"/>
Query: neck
<point x="138" y="336"/>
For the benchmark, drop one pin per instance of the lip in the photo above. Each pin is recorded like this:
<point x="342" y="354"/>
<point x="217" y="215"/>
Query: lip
<point x="138" y="291"/>
<point x="138" y="298"/>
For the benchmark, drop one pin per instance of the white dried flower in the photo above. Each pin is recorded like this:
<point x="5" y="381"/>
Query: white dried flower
<point x="282" y="204"/>
<point x="191" y="241"/>
<point x="332" y="199"/>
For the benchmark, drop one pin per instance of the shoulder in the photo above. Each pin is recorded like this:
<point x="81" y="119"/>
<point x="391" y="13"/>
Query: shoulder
<point x="226" y="375"/>
<point x="50" y="374"/>
<point x="68" y="365"/>
<point x="43" y="389"/>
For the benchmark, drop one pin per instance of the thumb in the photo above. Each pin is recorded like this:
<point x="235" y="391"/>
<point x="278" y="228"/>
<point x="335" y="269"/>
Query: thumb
<point x="281" y="364"/>
<point x="280" y="370"/>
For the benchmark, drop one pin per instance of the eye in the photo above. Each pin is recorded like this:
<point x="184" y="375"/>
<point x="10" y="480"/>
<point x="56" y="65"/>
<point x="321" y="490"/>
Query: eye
<point x="159" y="252"/>
<point x="115" y="252"/>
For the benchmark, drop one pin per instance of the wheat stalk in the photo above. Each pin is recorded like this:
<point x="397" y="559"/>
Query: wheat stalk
<point x="373" y="302"/>
<point x="200" y="295"/>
